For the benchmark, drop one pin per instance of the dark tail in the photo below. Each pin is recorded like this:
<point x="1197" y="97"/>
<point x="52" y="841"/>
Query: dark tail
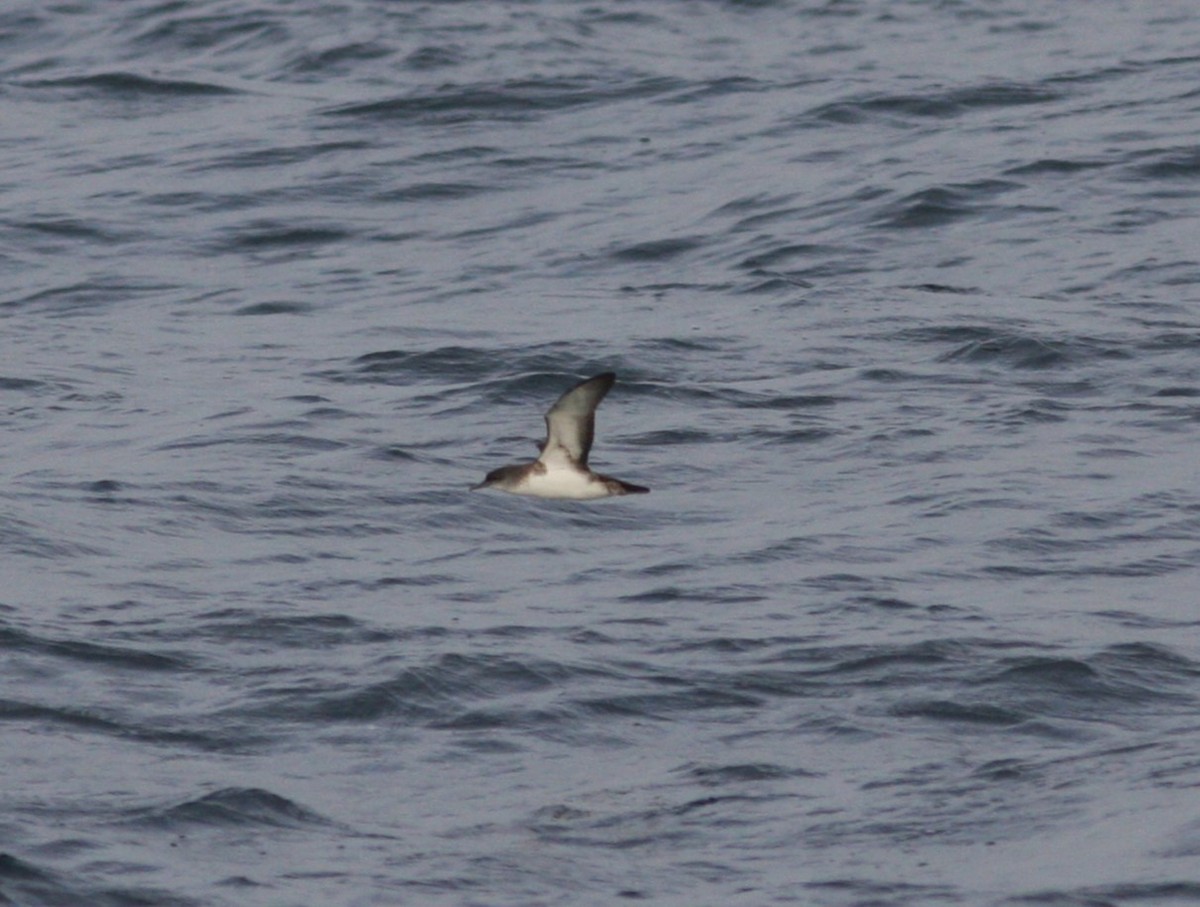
<point x="627" y="488"/>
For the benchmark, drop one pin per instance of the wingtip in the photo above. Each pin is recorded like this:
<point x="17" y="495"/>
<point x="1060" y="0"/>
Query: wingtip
<point x="605" y="378"/>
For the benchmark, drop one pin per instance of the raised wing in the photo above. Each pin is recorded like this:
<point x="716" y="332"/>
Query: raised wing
<point x="571" y="422"/>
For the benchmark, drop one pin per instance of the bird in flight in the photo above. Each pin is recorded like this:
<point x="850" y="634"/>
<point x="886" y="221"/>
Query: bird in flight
<point x="562" y="469"/>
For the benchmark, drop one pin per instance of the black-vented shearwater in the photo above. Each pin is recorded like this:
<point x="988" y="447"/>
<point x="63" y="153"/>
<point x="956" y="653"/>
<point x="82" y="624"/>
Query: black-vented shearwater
<point x="562" y="469"/>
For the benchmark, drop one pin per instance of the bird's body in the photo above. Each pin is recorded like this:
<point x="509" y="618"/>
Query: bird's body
<point x="562" y="469"/>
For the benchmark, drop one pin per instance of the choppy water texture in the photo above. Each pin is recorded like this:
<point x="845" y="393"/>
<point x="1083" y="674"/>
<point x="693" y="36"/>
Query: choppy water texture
<point x="903" y="301"/>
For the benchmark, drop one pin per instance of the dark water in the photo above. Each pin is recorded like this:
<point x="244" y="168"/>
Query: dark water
<point x="903" y="298"/>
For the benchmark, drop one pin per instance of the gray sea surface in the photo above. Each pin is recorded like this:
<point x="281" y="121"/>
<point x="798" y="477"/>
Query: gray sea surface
<point x="904" y="303"/>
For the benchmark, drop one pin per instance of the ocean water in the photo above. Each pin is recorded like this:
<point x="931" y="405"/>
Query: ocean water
<point x="904" y="301"/>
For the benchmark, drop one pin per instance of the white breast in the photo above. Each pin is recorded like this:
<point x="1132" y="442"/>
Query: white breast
<point x="563" y="483"/>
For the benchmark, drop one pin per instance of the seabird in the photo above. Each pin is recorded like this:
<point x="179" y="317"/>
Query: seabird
<point x="562" y="469"/>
